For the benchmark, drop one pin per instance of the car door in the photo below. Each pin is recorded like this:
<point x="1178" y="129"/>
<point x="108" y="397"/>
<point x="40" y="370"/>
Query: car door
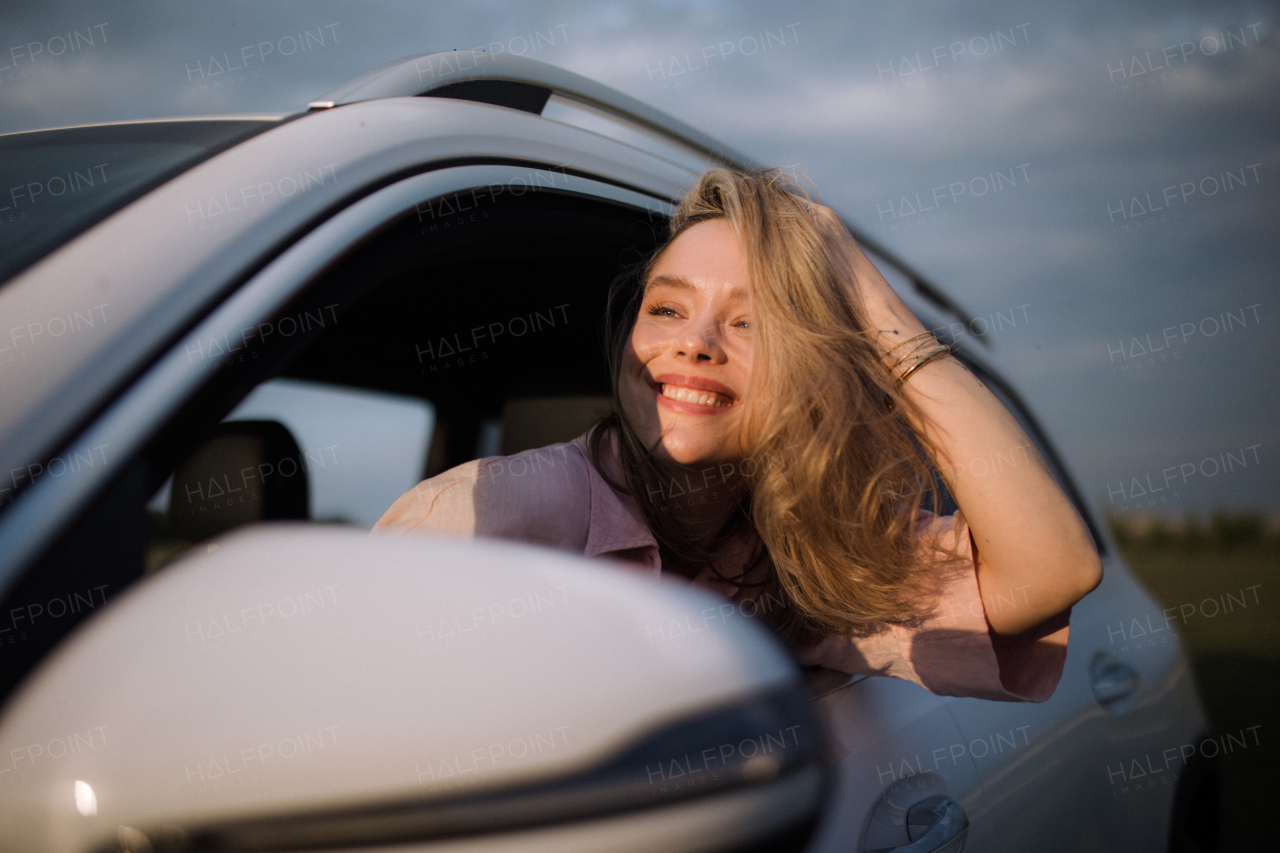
<point x="893" y="745"/>
<point x="1056" y="774"/>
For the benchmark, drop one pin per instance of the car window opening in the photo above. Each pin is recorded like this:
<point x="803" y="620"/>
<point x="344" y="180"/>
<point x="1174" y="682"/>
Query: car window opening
<point x="450" y="337"/>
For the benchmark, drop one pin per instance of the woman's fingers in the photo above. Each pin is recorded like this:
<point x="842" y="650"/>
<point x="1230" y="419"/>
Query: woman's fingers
<point x="885" y="310"/>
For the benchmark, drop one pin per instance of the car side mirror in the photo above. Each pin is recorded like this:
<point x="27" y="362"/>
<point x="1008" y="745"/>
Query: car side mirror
<point x="302" y="687"/>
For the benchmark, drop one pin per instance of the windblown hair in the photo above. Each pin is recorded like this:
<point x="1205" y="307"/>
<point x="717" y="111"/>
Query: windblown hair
<point x="837" y="477"/>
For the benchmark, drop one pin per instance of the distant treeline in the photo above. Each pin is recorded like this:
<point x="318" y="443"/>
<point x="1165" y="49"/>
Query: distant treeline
<point x="1220" y="531"/>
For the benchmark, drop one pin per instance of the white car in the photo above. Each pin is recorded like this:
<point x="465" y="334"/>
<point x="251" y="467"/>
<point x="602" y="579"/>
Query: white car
<point x="219" y="332"/>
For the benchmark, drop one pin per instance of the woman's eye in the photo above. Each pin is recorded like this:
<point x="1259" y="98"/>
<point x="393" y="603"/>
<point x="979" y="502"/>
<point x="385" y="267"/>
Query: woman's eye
<point x="742" y="324"/>
<point x="661" y="311"/>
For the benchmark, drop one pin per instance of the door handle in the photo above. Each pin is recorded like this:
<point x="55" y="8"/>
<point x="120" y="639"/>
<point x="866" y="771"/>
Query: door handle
<point x="1114" y="683"/>
<point x="936" y="824"/>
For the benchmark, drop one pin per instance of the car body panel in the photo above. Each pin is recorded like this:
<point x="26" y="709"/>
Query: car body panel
<point x="1072" y="740"/>
<point x="882" y="732"/>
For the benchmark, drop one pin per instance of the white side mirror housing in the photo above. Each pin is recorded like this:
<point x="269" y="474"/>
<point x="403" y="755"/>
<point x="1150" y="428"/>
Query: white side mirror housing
<point x="309" y="686"/>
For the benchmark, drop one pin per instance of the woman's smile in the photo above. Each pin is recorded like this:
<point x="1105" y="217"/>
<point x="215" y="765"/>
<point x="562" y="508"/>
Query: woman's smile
<point x="692" y="394"/>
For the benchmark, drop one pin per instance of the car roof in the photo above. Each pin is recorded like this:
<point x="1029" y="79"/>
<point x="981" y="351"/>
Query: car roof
<point x="520" y="83"/>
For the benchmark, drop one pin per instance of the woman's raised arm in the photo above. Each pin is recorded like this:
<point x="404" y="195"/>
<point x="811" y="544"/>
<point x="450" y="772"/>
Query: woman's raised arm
<point x="1031" y="546"/>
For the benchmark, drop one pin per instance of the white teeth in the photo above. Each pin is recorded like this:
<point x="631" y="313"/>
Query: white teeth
<point x="689" y="395"/>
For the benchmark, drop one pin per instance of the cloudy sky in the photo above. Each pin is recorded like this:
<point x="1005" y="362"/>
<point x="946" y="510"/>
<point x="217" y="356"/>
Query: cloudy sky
<point x="1111" y="166"/>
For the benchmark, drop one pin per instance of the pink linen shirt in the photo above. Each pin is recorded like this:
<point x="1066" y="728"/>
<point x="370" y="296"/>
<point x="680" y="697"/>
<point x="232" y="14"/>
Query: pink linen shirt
<point x="554" y="496"/>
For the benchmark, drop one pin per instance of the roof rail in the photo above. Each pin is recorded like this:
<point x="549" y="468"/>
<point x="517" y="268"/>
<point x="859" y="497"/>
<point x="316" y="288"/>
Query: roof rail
<point x="526" y="84"/>
<point x="478" y="75"/>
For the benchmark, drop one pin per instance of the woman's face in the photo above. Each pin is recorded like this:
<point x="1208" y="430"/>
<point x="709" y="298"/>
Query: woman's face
<point x="687" y="362"/>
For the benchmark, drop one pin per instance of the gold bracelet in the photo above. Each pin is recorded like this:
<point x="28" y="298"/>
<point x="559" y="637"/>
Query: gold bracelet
<point x="914" y="350"/>
<point x="942" y="350"/>
<point x="907" y="341"/>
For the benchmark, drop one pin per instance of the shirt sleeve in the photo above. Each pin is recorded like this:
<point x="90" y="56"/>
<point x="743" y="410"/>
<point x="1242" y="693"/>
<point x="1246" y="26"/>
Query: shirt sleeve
<point x="951" y="650"/>
<point x="540" y="496"/>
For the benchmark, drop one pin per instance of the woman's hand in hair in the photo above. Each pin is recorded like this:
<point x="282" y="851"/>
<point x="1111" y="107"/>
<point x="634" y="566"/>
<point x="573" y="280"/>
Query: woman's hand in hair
<point x="886" y="315"/>
<point x="1030" y="545"/>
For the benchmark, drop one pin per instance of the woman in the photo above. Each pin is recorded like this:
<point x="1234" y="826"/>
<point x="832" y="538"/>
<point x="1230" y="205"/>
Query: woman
<point x="779" y="418"/>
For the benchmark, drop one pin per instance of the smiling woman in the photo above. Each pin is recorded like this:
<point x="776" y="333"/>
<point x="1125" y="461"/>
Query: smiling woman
<point x="772" y="397"/>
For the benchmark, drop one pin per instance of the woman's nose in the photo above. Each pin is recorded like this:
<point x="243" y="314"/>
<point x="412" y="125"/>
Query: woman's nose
<point x="701" y="342"/>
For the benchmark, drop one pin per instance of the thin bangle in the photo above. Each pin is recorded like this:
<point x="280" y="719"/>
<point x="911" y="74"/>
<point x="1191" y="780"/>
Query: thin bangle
<point x="942" y="350"/>
<point x="913" y="351"/>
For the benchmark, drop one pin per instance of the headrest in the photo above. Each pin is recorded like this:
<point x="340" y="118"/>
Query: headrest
<point x="539" y="421"/>
<point x="246" y="471"/>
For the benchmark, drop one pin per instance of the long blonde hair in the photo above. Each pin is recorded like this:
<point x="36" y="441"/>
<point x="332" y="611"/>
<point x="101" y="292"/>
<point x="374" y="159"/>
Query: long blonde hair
<point x="834" y="521"/>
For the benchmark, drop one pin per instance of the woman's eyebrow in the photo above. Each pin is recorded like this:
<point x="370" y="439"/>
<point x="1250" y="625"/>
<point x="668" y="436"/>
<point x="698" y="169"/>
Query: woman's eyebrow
<point x="672" y="281"/>
<point x="683" y="283"/>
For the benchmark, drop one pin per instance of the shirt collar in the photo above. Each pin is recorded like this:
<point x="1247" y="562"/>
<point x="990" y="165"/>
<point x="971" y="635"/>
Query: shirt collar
<point x="616" y="523"/>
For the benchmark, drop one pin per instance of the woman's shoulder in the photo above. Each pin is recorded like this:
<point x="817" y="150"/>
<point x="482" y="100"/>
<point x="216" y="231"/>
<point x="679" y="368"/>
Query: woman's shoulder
<point x="539" y="495"/>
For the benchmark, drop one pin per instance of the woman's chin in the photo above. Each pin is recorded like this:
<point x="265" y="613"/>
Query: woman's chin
<point x="690" y="452"/>
<point x="677" y="442"/>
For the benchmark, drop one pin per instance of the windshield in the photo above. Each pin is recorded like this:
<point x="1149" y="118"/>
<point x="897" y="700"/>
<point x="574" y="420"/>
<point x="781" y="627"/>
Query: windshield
<point x="54" y="184"/>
